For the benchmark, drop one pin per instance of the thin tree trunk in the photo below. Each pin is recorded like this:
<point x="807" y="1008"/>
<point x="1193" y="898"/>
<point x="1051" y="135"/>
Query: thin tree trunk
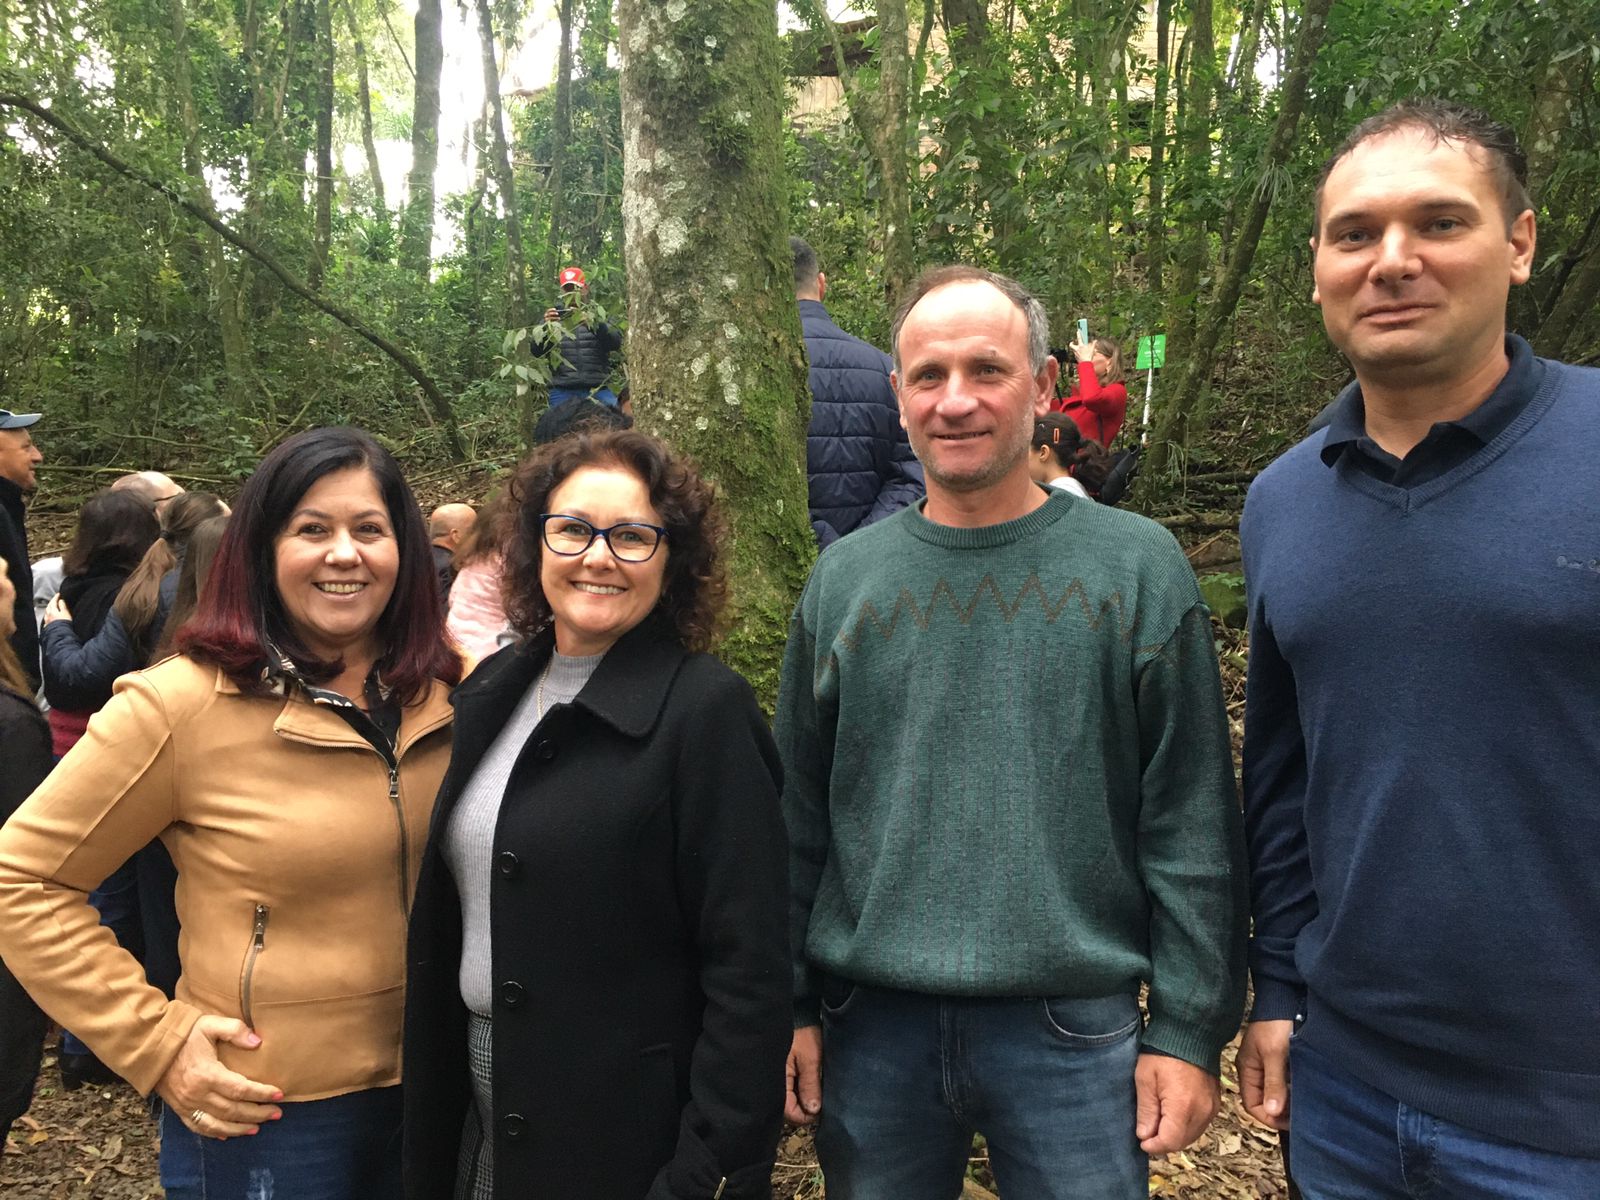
<point x="224" y="296"/>
<point x="416" y="231"/>
<point x="894" y="213"/>
<point x="561" y="135"/>
<point x="715" y="356"/>
<point x="364" y="98"/>
<point x="1156" y="236"/>
<point x="517" y="315"/>
<point x="1188" y="394"/>
<point x="322" y="239"/>
<point x="1192" y="168"/>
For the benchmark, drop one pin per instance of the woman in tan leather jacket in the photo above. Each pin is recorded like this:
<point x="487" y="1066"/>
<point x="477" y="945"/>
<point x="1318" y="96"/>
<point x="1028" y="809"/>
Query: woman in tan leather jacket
<point x="288" y="758"/>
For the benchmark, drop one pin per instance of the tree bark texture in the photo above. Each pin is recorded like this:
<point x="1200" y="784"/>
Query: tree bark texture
<point x="1156" y="240"/>
<point x="416" y="231"/>
<point x="715" y="358"/>
<point x="1194" y="375"/>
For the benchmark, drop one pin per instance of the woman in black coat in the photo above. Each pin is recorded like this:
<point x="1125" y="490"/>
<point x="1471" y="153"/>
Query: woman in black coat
<point x="598" y="1002"/>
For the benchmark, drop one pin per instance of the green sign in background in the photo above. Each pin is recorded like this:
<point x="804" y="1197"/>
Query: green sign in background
<point x="1152" y="352"/>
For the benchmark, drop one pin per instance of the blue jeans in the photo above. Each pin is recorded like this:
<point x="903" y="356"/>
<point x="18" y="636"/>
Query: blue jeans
<point x="907" y="1079"/>
<point x="1354" y="1142"/>
<point x="344" y="1148"/>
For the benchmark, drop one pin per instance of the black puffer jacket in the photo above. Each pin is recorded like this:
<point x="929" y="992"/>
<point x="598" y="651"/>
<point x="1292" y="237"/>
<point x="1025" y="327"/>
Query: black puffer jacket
<point x="14" y="549"/>
<point x="858" y="461"/>
<point x="586" y="355"/>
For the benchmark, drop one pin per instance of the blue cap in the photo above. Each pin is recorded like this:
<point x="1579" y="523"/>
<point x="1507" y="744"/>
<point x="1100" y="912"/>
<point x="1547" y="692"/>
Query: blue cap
<point x="11" y="420"/>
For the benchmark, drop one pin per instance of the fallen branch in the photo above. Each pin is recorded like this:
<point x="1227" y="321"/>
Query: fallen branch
<point x="1203" y="522"/>
<point x="437" y="401"/>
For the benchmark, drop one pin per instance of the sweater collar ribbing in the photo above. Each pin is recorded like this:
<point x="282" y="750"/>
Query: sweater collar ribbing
<point x="1057" y="505"/>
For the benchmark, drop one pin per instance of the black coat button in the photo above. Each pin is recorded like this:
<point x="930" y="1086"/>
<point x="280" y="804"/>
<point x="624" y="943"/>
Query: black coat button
<point x="545" y="750"/>
<point x="511" y="993"/>
<point x="507" y="864"/>
<point x="513" y="1126"/>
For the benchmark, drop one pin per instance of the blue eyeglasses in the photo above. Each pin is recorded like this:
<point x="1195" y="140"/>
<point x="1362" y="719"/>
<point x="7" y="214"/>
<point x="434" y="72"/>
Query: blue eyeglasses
<point x="629" y="541"/>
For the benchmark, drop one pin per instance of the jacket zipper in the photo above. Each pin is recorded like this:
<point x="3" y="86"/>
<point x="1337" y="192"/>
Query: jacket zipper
<point x="258" y="943"/>
<point x="405" y="837"/>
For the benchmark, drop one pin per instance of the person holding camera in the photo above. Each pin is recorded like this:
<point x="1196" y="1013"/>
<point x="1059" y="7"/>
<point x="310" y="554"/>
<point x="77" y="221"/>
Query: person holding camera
<point x="583" y="357"/>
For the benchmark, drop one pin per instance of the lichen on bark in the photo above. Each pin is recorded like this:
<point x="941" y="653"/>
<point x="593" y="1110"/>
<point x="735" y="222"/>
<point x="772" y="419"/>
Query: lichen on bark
<point x="716" y="361"/>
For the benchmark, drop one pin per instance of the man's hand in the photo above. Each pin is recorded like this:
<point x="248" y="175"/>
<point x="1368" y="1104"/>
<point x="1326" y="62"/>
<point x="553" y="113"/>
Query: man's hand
<point x="1176" y="1102"/>
<point x="802" y="1097"/>
<point x="552" y="314"/>
<point x="58" y="610"/>
<point x="1264" y="1072"/>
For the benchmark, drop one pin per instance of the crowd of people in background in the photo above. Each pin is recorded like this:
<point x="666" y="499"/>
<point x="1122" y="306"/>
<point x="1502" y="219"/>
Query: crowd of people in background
<point x="440" y="857"/>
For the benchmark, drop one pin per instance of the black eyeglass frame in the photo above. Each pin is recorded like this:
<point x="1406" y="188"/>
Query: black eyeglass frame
<point x="596" y="532"/>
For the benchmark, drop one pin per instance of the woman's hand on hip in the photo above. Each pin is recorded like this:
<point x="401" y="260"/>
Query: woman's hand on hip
<point x="210" y="1099"/>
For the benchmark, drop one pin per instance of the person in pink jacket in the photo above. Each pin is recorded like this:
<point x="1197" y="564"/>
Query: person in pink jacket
<point x="477" y="615"/>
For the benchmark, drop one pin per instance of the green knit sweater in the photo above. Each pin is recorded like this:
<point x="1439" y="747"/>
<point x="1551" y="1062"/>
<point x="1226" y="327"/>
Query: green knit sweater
<point x="1007" y="771"/>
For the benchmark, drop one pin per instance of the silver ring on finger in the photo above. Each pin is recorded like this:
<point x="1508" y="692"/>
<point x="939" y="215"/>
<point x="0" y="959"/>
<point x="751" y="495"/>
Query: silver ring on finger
<point x="197" y="1116"/>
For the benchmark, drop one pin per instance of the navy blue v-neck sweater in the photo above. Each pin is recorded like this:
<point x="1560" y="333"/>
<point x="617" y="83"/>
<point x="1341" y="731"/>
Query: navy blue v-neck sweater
<point x="1422" y="769"/>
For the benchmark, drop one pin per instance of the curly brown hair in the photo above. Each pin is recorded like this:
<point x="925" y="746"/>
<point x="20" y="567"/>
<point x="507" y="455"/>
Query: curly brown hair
<point x="695" y="590"/>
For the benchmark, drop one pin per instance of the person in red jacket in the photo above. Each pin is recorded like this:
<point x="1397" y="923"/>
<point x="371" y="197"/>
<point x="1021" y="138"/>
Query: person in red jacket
<point x="1099" y="402"/>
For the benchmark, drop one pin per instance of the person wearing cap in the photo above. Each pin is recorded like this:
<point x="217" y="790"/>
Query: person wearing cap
<point x="18" y="458"/>
<point x="584" y="356"/>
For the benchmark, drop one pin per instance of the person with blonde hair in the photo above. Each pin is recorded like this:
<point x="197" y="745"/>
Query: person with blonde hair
<point x="1098" y="402"/>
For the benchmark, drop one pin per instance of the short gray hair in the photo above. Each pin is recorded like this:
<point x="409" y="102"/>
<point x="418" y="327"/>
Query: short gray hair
<point x="937" y="277"/>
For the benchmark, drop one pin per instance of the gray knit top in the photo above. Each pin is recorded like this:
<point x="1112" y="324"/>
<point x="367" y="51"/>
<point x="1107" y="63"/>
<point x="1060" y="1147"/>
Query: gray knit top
<point x="469" y="836"/>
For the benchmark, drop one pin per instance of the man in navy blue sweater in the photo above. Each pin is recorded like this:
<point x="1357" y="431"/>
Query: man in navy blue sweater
<point x="859" y="465"/>
<point x="1422" y="726"/>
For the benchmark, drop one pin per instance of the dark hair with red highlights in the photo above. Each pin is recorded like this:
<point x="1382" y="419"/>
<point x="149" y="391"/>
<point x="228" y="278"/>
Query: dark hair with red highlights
<point x="240" y="610"/>
<point x="695" y="589"/>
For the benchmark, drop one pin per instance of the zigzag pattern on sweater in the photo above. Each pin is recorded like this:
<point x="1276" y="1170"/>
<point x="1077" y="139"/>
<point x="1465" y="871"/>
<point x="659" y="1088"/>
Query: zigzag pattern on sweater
<point x="906" y="606"/>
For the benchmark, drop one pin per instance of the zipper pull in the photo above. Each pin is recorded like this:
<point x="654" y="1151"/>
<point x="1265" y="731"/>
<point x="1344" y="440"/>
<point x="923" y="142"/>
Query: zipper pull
<point x="260" y="936"/>
<point x="394" y="783"/>
<point x="717" y="1195"/>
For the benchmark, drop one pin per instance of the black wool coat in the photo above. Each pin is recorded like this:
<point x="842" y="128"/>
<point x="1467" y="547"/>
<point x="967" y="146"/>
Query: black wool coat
<point x="642" y="1011"/>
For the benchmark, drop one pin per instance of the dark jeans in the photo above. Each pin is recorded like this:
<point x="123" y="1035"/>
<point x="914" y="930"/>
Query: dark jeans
<point x="344" y="1148"/>
<point x="1354" y="1142"/>
<point x="22" y="1029"/>
<point x="907" y="1079"/>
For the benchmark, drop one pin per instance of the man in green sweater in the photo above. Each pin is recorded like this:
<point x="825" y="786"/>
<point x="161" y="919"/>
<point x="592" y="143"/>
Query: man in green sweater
<point x="1010" y="800"/>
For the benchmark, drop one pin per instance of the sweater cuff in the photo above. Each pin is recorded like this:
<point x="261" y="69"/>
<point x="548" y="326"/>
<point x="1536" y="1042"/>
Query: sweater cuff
<point x="1198" y="1047"/>
<point x="1277" y="1001"/>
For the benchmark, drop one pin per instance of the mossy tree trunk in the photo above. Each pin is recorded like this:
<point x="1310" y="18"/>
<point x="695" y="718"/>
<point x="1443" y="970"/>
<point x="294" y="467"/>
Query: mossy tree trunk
<point x="715" y="357"/>
<point x="416" y="229"/>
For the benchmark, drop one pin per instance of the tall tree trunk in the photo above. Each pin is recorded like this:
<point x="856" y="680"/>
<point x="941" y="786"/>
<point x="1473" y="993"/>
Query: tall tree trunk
<point x="1233" y="110"/>
<point x="1188" y="394"/>
<point x="1156" y="237"/>
<point x="416" y="231"/>
<point x="894" y="212"/>
<point x="505" y="180"/>
<point x="322" y="239"/>
<point x="224" y="296"/>
<point x="364" y="99"/>
<point x="561" y="135"/>
<point x="1192" y="169"/>
<point x="715" y="355"/>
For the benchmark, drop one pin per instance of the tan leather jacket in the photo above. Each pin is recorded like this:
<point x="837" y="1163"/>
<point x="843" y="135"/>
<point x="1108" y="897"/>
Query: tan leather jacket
<point x="297" y="853"/>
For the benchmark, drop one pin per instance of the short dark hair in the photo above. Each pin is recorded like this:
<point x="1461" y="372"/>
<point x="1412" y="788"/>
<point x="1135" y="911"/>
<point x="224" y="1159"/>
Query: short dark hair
<point x="806" y="266"/>
<point x="240" y="610"/>
<point x="566" y="418"/>
<point x="1443" y="121"/>
<point x="115" y="528"/>
<point x="935" y="278"/>
<point x="695" y="589"/>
